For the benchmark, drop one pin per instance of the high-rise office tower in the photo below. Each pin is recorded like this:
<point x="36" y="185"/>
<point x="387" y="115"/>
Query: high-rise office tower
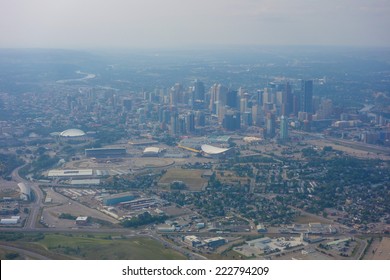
<point x="257" y="115"/>
<point x="232" y="120"/>
<point x="199" y="91"/>
<point x="243" y="105"/>
<point x="200" y="118"/>
<point x="222" y="94"/>
<point x="307" y="96"/>
<point x="288" y="108"/>
<point x="270" y="125"/>
<point x="174" y="128"/>
<point x="213" y="98"/>
<point x="268" y="96"/>
<point x="182" y="126"/>
<point x="246" y="118"/>
<point x="176" y="94"/>
<point x="296" y="103"/>
<point x="283" y="128"/>
<point x="190" y="122"/>
<point x="325" y="109"/>
<point x="127" y="105"/>
<point x="231" y="99"/>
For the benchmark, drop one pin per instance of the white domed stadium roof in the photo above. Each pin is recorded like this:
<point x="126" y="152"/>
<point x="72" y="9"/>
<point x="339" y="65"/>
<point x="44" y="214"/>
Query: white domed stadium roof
<point x="74" y="132"/>
<point x="211" y="150"/>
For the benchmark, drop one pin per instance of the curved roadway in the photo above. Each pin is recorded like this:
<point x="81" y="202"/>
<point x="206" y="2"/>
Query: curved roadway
<point x="35" y="205"/>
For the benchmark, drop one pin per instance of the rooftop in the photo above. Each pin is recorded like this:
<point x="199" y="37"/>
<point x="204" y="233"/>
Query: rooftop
<point x="212" y="150"/>
<point x="73" y="132"/>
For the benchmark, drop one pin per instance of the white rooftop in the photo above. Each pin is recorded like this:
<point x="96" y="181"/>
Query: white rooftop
<point x="212" y="150"/>
<point x="70" y="172"/>
<point x="73" y="132"/>
<point x="154" y="150"/>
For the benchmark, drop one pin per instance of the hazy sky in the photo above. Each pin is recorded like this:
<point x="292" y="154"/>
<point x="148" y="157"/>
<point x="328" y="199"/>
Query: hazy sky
<point x="191" y="23"/>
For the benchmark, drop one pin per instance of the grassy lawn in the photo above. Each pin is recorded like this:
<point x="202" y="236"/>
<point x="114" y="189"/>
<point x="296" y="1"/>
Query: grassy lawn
<point x="95" y="248"/>
<point x="305" y="219"/>
<point x="191" y="177"/>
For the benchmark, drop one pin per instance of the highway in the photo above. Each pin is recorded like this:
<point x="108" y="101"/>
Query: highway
<point x="347" y="143"/>
<point x="36" y="204"/>
<point x="25" y="252"/>
<point x="35" y="210"/>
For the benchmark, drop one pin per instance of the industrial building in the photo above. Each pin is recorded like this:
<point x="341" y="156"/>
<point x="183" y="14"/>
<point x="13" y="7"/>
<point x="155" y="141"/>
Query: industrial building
<point x="118" y="198"/>
<point x="10" y="221"/>
<point x="84" y="182"/>
<point x="105" y="153"/>
<point x="192" y="240"/>
<point x="151" y="152"/>
<point x="25" y="191"/>
<point x="166" y="228"/>
<point x="214" y="242"/>
<point x="70" y="173"/>
<point x="82" y="220"/>
<point x="142" y="203"/>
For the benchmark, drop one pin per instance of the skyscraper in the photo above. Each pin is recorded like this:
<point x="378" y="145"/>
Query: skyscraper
<point x="190" y="122"/>
<point x="289" y="99"/>
<point x="283" y="128"/>
<point x="213" y="98"/>
<point x="199" y="90"/>
<point x="270" y="125"/>
<point x="232" y="120"/>
<point x="307" y="96"/>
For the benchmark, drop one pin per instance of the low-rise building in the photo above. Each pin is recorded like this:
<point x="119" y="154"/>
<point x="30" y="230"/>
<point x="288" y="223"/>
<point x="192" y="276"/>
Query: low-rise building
<point x="118" y="198"/>
<point x="192" y="240"/>
<point x="82" y="220"/>
<point x="215" y="242"/>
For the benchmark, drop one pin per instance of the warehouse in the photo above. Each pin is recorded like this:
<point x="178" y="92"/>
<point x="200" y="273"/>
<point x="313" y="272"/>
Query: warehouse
<point x="151" y="152"/>
<point x="118" y="198"/>
<point x="80" y="173"/>
<point x="214" y="242"/>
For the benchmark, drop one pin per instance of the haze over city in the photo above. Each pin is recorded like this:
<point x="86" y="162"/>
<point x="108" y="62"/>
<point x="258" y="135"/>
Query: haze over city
<point x="195" y="130"/>
<point x="192" y="23"/>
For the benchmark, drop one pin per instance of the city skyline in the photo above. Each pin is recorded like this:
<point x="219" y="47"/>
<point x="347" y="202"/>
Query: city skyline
<point x="173" y="23"/>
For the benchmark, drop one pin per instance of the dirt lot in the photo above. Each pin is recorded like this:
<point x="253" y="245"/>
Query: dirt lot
<point x="191" y="177"/>
<point x="9" y="189"/>
<point x="379" y="250"/>
<point x="62" y="204"/>
<point x="175" y="211"/>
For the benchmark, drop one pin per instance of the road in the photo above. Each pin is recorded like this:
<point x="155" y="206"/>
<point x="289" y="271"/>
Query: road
<point x="36" y="205"/>
<point x="25" y="252"/>
<point x="379" y="150"/>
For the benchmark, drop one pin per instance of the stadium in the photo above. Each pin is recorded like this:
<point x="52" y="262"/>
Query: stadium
<point x="151" y="152"/>
<point x="73" y="134"/>
<point x="216" y="152"/>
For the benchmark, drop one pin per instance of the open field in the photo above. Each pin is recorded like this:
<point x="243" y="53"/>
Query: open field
<point x="305" y="219"/>
<point x="379" y="249"/>
<point x="191" y="177"/>
<point x="93" y="247"/>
